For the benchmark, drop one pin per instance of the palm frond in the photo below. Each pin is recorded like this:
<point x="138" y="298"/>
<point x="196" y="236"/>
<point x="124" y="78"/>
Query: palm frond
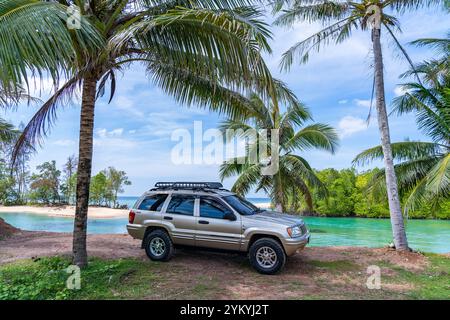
<point x="41" y="42"/>
<point x="323" y="11"/>
<point x="40" y="124"/>
<point x="409" y="5"/>
<point x="336" y="32"/>
<point x="401" y="151"/>
<point x="317" y="136"/>
<point x="7" y="132"/>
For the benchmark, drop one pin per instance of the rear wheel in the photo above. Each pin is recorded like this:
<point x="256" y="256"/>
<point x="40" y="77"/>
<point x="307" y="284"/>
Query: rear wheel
<point x="267" y="256"/>
<point x="158" y="246"/>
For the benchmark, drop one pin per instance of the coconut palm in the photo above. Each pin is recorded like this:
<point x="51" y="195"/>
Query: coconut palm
<point x="36" y="42"/>
<point x="341" y="18"/>
<point x="198" y="51"/>
<point x="423" y="168"/>
<point x="294" y="177"/>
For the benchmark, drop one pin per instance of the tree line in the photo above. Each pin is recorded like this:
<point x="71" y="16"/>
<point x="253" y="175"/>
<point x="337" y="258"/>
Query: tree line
<point x="51" y="186"/>
<point x="352" y="194"/>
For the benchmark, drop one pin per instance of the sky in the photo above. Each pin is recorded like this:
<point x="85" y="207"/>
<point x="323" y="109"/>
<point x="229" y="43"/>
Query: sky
<point x="134" y="132"/>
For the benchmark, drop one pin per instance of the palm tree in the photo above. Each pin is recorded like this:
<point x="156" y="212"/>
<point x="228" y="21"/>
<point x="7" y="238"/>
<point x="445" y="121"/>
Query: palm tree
<point x="294" y="177"/>
<point x="423" y="168"/>
<point x="342" y="17"/>
<point x="36" y="42"/>
<point x="198" y="51"/>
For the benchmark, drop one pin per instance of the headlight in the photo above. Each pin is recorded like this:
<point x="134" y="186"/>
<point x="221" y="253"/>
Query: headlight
<point x="294" y="231"/>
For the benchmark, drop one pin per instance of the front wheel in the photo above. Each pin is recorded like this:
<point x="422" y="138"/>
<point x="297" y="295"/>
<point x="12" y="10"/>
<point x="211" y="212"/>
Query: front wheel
<point x="267" y="256"/>
<point x="158" y="246"/>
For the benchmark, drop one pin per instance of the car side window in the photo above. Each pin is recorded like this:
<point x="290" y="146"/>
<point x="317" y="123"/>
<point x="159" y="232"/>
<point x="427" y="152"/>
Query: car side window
<point x="212" y="208"/>
<point x="181" y="204"/>
<point x="153" y="203"/>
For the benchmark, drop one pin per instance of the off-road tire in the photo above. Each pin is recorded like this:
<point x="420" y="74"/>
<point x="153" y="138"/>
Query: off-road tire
<point x="168" y="250"/>
<point x="277" y="249"/>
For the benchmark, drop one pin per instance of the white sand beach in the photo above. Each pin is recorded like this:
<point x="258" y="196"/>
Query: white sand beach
<point x="67" y="211"/>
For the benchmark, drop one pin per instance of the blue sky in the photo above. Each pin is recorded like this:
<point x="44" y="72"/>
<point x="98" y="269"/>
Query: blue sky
<point x="133" y="133"/>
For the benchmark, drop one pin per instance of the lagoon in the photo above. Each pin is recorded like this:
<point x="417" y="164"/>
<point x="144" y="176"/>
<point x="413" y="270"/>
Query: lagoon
<point x="424" y="235"/>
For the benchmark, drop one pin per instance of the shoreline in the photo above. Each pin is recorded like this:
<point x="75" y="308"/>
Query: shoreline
<point x="67" y="211"/>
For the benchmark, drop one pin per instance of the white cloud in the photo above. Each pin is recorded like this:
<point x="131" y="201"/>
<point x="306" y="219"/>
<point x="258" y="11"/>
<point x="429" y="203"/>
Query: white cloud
<point x="64" y="143"/>
<point x="362" y="102"/>
<point x="399" y="91"/>
<point x="104" y="133"/>
<point x="350" y="125"/>
<point x="343" y="101"/>
<point x="127" y="104"/>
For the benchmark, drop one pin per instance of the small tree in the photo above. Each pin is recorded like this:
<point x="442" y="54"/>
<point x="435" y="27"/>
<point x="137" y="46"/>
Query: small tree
<point x="69" y="187"/>
<point x="116" y="180"/>
<point x="45" y="184"/>
<point x="99" y="189"/>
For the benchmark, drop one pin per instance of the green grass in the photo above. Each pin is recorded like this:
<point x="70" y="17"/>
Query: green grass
<point x="432" y="284"/>
<point x="102" y="279"/>
<point x="338" y="265"/>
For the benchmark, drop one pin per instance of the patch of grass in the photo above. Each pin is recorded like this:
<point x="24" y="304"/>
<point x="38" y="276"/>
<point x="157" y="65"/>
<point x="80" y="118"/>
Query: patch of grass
<point x="103" y="279"/>
<point x="339" y="265"/>
<point x="433" y="283"/>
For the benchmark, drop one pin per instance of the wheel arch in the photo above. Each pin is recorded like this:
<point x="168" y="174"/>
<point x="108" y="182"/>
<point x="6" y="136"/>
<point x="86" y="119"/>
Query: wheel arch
<point x="256" y="236"/>
<point x="149" y="229"/>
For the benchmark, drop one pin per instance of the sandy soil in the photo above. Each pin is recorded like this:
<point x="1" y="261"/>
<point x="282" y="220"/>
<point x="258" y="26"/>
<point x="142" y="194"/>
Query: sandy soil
<point x="67" y="211"/>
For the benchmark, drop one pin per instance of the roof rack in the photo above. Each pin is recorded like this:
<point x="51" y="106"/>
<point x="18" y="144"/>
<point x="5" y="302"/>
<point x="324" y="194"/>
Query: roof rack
<point x="188" y="185"/>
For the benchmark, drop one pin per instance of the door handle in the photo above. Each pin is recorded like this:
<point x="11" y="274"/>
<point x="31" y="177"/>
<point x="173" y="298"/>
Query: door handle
<point x="203" y="222"/>
<point x="168" y="218"/>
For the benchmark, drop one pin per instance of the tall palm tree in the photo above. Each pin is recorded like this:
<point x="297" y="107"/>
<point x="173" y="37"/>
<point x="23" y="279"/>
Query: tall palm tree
<point x="36" y="42"/>
<point x="423" y="168"/>
<point x="341" y="18"/>
<point x="294" y="177"/>
<point x="198" y="51"/>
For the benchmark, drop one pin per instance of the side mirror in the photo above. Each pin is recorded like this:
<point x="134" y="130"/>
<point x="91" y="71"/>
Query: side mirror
<point x="230" y="216"/>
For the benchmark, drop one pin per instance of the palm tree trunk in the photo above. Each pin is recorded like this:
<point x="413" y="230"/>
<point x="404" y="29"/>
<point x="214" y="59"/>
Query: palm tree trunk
<point x="398" y="227"/>
<point x="84" y="171"/>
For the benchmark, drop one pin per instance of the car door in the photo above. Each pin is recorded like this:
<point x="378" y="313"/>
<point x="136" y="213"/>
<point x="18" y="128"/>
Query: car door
<point x="217" y="226"/>
<point x="179" y="216"/>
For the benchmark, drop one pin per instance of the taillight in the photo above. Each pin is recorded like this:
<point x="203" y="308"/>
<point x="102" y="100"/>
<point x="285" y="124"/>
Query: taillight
<point x="131" y="216"/>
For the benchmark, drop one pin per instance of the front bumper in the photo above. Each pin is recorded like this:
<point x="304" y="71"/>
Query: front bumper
<point x="291" y="245"/>
<point x="137" y="231"/>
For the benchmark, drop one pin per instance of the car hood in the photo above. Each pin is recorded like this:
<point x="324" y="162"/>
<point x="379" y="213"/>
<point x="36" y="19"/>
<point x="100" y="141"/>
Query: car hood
<point x="275" y="217"/>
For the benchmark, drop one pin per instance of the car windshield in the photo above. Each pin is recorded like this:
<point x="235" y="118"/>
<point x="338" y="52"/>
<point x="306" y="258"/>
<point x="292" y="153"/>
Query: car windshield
<point x="241" y="205"/>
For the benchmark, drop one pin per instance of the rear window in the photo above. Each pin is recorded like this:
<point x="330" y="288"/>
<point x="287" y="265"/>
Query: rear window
<point x="153" y="203"/>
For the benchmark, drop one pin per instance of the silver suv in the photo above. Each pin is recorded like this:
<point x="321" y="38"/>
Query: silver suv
<point x="205" y="215"/>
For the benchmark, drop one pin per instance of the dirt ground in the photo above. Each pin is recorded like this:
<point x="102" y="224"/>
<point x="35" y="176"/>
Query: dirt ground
<point x="6" y="230"/>
<point x="307" y="274"/>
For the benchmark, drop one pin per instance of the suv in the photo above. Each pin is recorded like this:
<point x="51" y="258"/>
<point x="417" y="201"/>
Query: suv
<point x="205" y="215"/>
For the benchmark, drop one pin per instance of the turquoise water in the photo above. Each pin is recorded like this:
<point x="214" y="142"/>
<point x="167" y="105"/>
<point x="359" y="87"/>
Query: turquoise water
<point x="424" y="235"/>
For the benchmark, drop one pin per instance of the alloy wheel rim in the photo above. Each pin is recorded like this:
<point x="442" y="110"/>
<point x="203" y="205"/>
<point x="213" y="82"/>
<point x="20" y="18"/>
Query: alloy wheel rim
<point x="266" y="257"/>
<point x="157" y="246"/>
